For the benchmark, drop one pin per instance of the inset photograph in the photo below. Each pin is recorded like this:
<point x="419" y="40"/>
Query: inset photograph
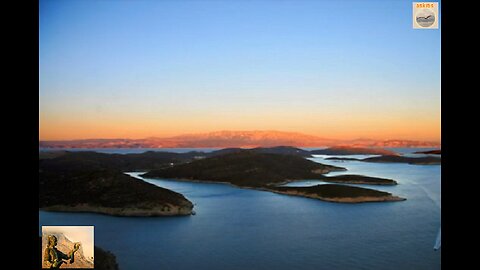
<point x="67" y="247"/>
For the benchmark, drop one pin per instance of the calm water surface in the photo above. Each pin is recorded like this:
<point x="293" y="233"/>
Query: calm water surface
<point x="247" y="229"/>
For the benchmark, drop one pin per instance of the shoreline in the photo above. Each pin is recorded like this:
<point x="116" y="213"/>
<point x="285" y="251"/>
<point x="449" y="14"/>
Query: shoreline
<point x="170" y="210"/>
<point x="121" y="212"/>
<point x="361" y="183"/>
<point x="269" y="184"/>
<point x="360" y="199"/>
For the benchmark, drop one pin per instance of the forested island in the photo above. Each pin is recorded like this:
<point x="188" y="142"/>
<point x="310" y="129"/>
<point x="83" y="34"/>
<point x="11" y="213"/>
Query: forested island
<point x="339" y="193"/>
<point x="247" y="169"/>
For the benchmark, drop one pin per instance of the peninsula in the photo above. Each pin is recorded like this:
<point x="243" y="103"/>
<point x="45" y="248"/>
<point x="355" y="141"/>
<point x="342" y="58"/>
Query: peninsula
<point x="75" y="182"/>
<point x="107" y="192"/>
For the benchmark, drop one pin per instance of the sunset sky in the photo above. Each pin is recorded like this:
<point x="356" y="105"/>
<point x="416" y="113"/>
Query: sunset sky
<point x="335" y="69"/>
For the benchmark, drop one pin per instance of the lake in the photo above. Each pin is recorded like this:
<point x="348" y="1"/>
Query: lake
<point x="247" y="229"/>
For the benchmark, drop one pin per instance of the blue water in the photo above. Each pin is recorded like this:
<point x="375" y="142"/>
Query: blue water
<point x="247" y="229"/>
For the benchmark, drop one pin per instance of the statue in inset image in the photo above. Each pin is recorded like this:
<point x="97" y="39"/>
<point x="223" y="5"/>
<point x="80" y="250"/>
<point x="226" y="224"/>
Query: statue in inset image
<point x="54" y="258"/>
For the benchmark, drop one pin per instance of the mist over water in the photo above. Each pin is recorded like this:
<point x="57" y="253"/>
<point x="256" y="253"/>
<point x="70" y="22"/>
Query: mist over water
<point x="247" y="229"/>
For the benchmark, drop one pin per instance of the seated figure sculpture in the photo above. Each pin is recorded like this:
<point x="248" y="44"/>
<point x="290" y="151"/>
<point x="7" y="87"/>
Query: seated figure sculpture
<point x="54" y="258"/>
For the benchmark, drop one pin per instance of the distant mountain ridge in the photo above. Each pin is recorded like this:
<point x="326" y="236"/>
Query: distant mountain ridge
<point x="225" y="138"/>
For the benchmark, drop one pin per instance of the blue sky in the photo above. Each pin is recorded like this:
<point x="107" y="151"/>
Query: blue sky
<point x="333" y="68"/>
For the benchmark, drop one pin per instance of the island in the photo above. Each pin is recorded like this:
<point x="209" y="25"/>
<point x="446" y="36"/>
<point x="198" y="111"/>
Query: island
<point x="348" y="150"/>
<point x="338" y="193"/>
<point x="246" y="169"/>
<point x="403" y="159"/>
<point x="249" y="169"/>
<point x="395" y="159"/>
<point x="358" y="179"/>
<point x="430" y="152"/>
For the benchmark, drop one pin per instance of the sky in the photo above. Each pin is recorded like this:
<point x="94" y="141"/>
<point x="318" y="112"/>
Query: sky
<point x="336" y="69"/>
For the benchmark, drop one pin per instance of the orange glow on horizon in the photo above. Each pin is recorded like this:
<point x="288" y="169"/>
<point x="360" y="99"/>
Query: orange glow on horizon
<point x="129" y="129"/>
<point x="342" y="124"/>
